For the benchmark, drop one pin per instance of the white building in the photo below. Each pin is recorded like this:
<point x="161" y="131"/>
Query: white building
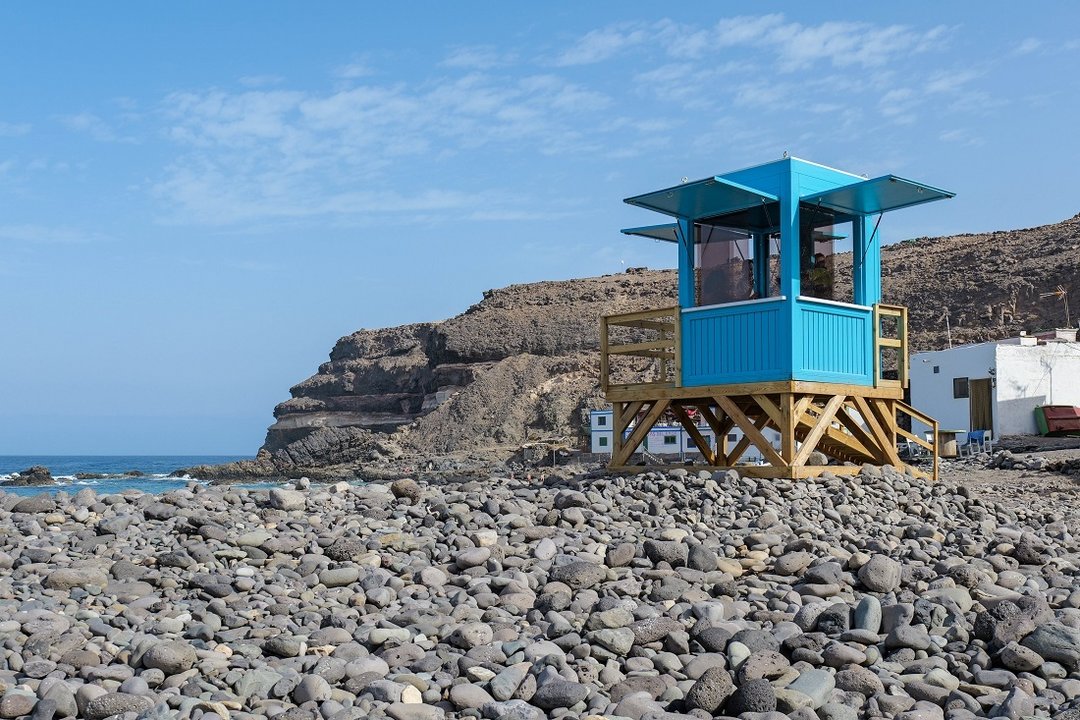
<point x="997" y="386"/>
<point x="668" y="439"/>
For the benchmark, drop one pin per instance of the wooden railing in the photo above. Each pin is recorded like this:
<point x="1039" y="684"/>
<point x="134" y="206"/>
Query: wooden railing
<point x="661" y="327"/>
<point x="927" y="444"/>
<point x="899" y="342"/>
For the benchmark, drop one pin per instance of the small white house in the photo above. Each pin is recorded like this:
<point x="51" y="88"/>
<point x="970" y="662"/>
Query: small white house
<point x="667" y="439"/>
<point x="997" y="385"/>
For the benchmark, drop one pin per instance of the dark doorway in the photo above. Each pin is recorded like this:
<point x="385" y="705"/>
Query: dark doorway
<point x="982" y="405"/>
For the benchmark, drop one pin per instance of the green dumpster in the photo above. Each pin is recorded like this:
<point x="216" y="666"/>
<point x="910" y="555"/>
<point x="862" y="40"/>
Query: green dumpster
<point x="1040" y="420"/>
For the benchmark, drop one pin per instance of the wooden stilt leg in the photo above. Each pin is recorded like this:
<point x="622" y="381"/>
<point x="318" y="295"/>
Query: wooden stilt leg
<point x="691" y="429"/>
<point x="751" y="430"/>
<point x="787" y="426"/>
<point x="616" y="431"/>
<point x="641" y="430"/>
<point x="824" y="420"/>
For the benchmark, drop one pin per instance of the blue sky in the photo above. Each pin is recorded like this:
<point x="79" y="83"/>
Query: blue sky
<point x="198" y="199"/>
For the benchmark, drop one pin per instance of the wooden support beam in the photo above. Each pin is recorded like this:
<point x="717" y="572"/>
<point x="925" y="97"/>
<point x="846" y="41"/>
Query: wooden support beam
<point x="629" y="410"/>
<point x="641" y="391"/>
<point x="644" y="324"/>
<point x="605" y="368"/>
<point x="823" y="421"/>
<point x="638" y="348"/>
<point x="750" y="430"/>
<point x="617" y="413"/>
<point x="641" y="430"/>
<point x="885" y="440"/>
<point x="885" y="410"/>
<point x="787" y="426"/>
<point x="719" y="428"/>
<point x="860" y="434"/>
<point x="623" y="318"/>
<point x="838" y="437"/>
<point x="695" y="435"/>
<point x="760" y="422"/>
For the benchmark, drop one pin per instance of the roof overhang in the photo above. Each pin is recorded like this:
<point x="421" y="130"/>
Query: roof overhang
<point x="879" y="195"/>
<point x="670" y="233"/>
<point x="703" y="199"/>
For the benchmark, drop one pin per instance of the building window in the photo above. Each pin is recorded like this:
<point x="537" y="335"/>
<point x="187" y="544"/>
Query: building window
<point x="603" y="442"/>
<point x="732" y="437"/>
<point x="671" y="440"/>
<point x="937" y="369"/>
<point x="708" y="439"/>
<point x="601" y="420"/>
<point x="960" y="387"/>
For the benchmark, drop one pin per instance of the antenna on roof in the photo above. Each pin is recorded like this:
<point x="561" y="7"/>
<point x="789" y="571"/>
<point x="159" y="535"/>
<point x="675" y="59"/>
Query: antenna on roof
<point x="1059" y="292"/>
<point x="948" y="327"/>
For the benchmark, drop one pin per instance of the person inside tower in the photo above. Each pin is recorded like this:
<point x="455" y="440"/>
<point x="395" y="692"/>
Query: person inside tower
<point x="819" y="277"/>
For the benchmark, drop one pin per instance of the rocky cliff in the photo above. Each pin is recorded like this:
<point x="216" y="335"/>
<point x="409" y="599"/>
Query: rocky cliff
<point x="522" y="364"/>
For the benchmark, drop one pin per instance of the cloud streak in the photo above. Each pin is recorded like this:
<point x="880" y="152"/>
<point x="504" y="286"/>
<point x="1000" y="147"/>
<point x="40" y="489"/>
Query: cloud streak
<point x="275" y="153"/>
<point x="792" y="45"/>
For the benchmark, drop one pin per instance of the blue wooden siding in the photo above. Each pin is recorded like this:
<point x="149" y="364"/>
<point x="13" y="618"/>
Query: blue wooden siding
<point x="734" y="344"/>
<point x="835" y="343"/>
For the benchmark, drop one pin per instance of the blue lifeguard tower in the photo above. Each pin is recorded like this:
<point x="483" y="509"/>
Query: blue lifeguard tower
<point x="775" y="330"/>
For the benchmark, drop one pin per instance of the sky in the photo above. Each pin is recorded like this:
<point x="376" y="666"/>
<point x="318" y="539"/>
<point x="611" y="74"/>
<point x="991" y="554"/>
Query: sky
<point x="197" y="199"/>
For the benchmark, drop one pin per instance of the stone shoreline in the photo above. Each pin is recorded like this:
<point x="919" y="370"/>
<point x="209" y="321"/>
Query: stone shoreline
<point x="660" y="596"/>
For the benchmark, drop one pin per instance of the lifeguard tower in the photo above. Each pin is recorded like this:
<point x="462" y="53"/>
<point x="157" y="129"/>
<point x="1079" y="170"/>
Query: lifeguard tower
<point x="766" y="335"/>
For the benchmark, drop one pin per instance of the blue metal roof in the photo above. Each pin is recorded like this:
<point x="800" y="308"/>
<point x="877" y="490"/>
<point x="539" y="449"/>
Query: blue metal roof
<point x="879" y="195"/>
<point x="670" y="233"/>
<point x="703" y="199"/>
<point x="667" y="233"/>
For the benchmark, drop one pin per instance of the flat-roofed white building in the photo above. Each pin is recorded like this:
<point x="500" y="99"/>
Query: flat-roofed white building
<point x="997" y="385"/>
<point x="668" y="439"/>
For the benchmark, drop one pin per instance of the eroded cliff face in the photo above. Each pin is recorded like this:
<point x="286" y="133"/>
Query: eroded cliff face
<point x="520" y="364"/>
<point x="523" y="364"/>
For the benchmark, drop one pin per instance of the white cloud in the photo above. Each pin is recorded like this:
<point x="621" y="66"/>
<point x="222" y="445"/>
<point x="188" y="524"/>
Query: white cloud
<point x="255" y="81"/>
<point x="948" y="81"/>
<point x="960" y="136"/>
<point x="481" y="57"/>
<point x="42" y="234"/>
<point x="899" y="104"/>
<point x="95" y="127"/>
<point x="1027" y="46"/>
<point x="604" y="43"/>
<point x="794" y="46"/>
<point x="13" y="129"/>
<point x="281" y="153"/>
<point x="354" y="70"/>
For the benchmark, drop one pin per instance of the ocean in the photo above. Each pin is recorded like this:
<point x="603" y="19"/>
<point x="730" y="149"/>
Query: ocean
<point x="155" y="471"/>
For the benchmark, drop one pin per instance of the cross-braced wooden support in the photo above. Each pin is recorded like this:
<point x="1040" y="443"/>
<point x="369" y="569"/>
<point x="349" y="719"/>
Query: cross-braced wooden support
<point x="851" y="424"/>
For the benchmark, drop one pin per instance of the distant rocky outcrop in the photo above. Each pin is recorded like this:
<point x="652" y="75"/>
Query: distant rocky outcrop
<point x="36" y="475"/>
<point x="522" y="364"/>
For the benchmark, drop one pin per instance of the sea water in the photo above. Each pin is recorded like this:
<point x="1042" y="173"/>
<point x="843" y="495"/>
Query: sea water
<point x="155" y="471"/>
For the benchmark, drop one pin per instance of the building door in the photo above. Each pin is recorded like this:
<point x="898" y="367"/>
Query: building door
<point x="981" y="404"/>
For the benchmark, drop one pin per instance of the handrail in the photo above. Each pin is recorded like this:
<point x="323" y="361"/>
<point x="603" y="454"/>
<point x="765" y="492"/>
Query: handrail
<point x="899" y="343"/>
<point x="664" y="349"/>
<point x="932" y="444"/>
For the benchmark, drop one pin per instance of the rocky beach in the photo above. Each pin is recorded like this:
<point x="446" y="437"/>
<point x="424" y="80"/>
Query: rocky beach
<point x="656" y="596"/>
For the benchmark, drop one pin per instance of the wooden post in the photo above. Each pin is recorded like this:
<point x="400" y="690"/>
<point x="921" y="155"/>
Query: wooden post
<point x="695" y="435"/>
<point x="678" y="347"/>
<point x="617" y="430"/>
<point x="787" y="426"/>
<point x="604" y="369"/>
<point x="823" y="422"/>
